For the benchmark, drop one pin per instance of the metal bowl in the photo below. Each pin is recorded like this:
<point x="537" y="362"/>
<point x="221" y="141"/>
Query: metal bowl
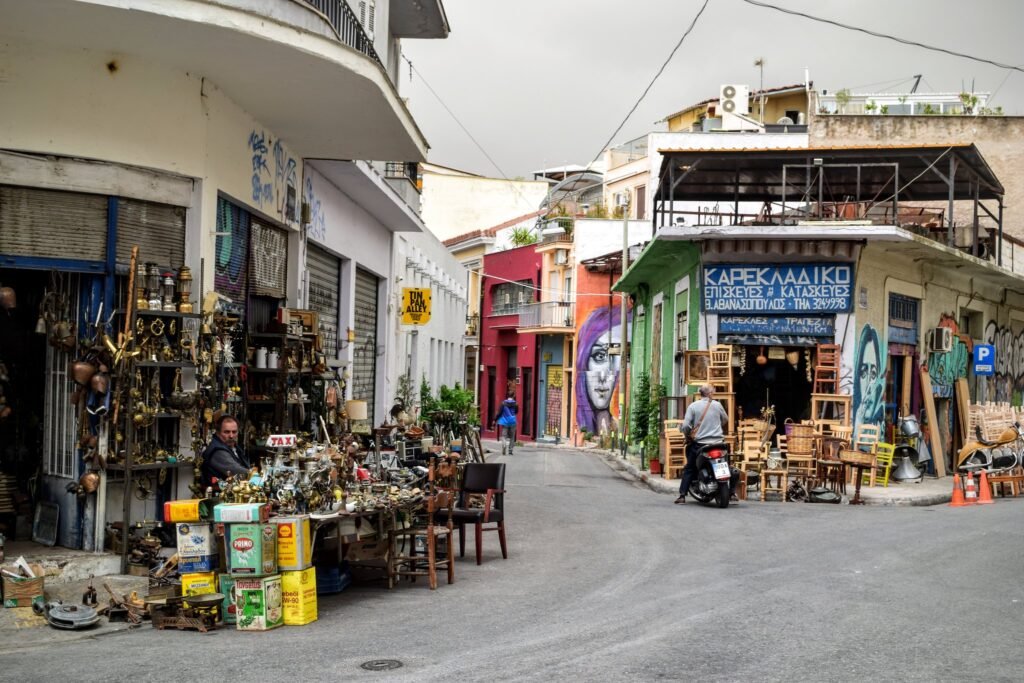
<point x="910" y="427"/>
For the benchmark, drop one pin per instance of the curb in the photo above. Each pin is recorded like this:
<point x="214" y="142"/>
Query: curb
<point x="659" y="485"/>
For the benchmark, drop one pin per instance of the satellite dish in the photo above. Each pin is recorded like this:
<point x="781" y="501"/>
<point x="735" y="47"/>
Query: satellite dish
<point x="785" y="121"/>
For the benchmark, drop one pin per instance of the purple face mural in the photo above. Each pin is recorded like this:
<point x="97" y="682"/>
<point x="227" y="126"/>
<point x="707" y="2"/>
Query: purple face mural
<point x="597" y="371"/>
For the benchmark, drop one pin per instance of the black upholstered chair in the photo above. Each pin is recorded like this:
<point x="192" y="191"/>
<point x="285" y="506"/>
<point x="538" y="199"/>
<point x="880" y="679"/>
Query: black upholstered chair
<point x="486" y="482"/>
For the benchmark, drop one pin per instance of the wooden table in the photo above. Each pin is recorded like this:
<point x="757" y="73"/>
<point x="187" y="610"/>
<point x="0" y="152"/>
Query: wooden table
<point x="860" y="461"/>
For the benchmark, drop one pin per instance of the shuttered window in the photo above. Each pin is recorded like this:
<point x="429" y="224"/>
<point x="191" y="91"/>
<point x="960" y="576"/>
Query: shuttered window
<point x="268" y="269"/>
<point x="52" y="224"/>
<point x="157" y="229"/>
<point x="324" y="275"/>
<point x="364" y="364"/>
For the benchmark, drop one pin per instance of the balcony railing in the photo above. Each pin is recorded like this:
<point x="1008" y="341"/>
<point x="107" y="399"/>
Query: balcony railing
<point x="347" y="25"/>
<point x="548" y="314"/>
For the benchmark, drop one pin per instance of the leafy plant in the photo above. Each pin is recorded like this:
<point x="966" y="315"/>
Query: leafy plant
<point x="870" y="107"/>
<point x="884" y="109"/>
<point x="459" y="401"/>
<point x="597" y="211"/>
<point x="427" y="402"/>
<point x="658" y="392"/>
<point x="523" y="236"/>
<point x="842" y="99"/>
<point x="970" y="101"/>
<point x="641" y="406"/>
<point x="405" y="390"/>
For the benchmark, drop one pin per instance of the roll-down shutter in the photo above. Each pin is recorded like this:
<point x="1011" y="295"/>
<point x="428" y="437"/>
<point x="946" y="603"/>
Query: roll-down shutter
<point x="231" y="269"/>
<point x="52" y="224"/>
<point x="157" y="229"/>
<point x="268" y="270"/>
<point x="364" y="364"/>
<point x="324" y="276"/>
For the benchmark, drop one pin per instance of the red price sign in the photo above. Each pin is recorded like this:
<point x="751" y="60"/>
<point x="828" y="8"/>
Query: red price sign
<point x="281" y="441"/>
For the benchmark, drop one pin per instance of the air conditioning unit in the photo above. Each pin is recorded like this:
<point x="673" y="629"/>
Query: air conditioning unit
<point x="940" y="340"/>
<point x="561" y="257"/>
<point x="734" y="99"/>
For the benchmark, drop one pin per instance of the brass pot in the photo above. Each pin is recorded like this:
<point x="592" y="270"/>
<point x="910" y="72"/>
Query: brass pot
<point x="81" y="371"/>
<point x="100" y="383"/>
<point x="90" y="481"/>
<point x="8" y="298"/>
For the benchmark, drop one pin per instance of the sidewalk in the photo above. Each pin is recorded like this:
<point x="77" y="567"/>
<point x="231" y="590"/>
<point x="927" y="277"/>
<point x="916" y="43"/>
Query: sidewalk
<point x="927" y="492"/>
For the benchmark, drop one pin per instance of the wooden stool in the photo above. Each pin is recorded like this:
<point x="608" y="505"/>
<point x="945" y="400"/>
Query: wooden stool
<point x="780" y="483"/>
<point x="840" y="402"/>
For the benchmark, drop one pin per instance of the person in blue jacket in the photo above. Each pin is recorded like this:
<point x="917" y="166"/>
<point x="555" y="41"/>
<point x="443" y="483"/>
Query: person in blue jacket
<point x="506" y="420"/>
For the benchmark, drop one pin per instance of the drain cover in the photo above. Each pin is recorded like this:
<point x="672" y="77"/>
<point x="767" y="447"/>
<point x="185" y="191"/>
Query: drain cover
<point x="381" y="664"/>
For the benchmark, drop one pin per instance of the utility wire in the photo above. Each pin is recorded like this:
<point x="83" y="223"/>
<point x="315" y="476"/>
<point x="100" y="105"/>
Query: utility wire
<point x="887" y="36"/>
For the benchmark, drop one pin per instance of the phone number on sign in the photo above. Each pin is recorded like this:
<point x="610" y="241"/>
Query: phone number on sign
<point x="779" y="304"/>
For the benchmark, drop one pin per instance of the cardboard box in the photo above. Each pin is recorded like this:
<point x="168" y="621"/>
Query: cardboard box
<point x="294" y="543"/>
<point x="299" y="589"/>
<point x="259" y="603"/>
<point x="199" y="583"/>
<point x="197" y="510"/>
<point x="241" y="512"/>
<point x="252" y="549"/>
<point x="24" y="592"/>
<point x="197" y="547"/>
<point x="229" y="610"/>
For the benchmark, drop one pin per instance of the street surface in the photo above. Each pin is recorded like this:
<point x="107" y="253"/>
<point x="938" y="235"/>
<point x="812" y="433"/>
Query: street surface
<point x="607" y="580"/>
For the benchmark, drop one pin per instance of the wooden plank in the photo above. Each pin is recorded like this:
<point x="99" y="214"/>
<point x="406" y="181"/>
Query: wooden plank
<point x="934" y="440"/>
<point x="908" y="383"/>
<point x="963" y="403"/>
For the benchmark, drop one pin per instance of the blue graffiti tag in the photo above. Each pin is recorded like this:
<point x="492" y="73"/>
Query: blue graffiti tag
<point x="317" y="220"/>
<point x="260" y="191"/>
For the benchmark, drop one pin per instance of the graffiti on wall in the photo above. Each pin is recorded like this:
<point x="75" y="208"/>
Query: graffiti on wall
<point x="597" y="371"/>
<point x="869" y="380"/>
<point x="317" y="221"/>
<point x="273" y="191"/>
<point x="1008" y="380"/>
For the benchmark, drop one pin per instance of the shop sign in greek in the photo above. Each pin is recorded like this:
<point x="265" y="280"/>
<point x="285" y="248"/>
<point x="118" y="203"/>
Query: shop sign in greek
<point x="415" y="305"/>
<point x="796" y="288"/>
<point x="805" y="325"/>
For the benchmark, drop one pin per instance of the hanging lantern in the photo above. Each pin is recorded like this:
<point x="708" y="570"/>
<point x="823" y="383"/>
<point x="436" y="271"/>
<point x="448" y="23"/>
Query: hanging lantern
<point x="761" y="358"/>
<point x="153" y="286"/>
<point x="185" y="290"/>
<point x="141" y="301"/>
<point x="167" y="292"/>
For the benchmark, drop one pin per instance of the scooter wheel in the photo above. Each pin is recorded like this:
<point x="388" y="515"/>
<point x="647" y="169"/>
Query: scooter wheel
<point x="723" y="496"/>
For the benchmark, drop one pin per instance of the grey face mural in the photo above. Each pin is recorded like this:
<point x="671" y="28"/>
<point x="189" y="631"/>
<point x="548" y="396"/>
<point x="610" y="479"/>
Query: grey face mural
<point x="868" y="380"/>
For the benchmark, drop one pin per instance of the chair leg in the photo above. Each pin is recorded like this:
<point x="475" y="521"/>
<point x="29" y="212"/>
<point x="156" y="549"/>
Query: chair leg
<point x="462" y="540"/>
<point x="432" y="559"/>
<point x="451" y="559"/>
<point x="479" y="543"/>
<point x="501" y="538"/>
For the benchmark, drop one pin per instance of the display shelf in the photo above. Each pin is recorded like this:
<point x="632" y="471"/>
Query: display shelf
<point x="282" y="336"/>
<point x="168" y="314"/>
<point x="164" y="364"/>
<point x="150" y="466"/>
<point x="273" y="401"/>
<point x="272" y="371"/>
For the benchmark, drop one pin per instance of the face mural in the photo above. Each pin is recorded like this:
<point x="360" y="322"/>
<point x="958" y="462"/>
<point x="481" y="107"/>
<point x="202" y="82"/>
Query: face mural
<point x="869" y="380"/>
<point x="597" y="376"/>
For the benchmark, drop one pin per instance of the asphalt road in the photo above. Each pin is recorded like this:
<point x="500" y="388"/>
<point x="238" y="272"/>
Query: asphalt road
<point x="607" y="580"/>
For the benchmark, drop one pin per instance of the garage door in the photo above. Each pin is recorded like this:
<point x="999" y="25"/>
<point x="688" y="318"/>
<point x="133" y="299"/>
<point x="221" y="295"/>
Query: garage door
<point x="157" y="229"/>
<point x="324" y="276"/>
<point x="364" y="368"/>
<point x="52" y="224"/>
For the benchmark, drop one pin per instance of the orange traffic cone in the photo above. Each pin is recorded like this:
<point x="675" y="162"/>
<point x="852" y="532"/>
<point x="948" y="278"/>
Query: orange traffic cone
<point x="985" y="492"/>
<point x="970" y="492"/>
<point x="958" y="493"/>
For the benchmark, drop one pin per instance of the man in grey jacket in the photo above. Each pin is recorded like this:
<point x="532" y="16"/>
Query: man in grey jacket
<point x="708" y="418"/>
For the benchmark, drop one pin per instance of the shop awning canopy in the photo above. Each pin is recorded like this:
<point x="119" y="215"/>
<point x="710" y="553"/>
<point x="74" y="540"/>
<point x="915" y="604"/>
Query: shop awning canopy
<point x="865" y="173"/>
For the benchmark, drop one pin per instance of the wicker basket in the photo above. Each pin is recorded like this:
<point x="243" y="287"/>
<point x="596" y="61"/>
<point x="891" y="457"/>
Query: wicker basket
<point x="800" y="440"/>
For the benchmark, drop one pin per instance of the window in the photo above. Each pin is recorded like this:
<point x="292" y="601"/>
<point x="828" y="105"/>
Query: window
<point x="682" y="333"/>
<point x="641" y="202"/>
<point x="367" y="15"/>
<point x="509" y="297"/>
<point x="793" y="115"/>
<point x="903" y="319"/>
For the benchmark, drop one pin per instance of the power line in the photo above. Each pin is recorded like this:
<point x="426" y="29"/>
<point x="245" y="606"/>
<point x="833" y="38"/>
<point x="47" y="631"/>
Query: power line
<point x="876" y="34"/>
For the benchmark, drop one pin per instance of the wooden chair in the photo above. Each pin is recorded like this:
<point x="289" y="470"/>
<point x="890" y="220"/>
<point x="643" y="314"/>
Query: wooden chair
<point x="720" y="368"/>
<point x="866" y="441"/>
<point x="831" y="471"/>
<point x="486" y="482"/>
<point x="774" y="481"/>
<point x="883" y="465"/>
<point x="826" y="369"/>
<point x="675" y="449"/>
<point x="432" y="523"/>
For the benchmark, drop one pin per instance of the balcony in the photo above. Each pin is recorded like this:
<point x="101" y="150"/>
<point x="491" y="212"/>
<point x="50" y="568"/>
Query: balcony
<point x="547" y="317"/>
<point x="305" y="70"/>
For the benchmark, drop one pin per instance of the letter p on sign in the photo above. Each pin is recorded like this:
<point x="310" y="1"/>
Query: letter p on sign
<point x="984" y="360"/>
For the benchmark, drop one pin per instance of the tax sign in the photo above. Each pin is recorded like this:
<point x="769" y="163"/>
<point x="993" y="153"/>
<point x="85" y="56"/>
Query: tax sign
<point x="281" y="441"/>
<point x="984" y="360"/>
<point x="415" y="306"/>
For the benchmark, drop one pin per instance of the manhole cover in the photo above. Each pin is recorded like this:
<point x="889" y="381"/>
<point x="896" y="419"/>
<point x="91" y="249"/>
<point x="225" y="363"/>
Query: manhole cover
<point x="381" y="664"/>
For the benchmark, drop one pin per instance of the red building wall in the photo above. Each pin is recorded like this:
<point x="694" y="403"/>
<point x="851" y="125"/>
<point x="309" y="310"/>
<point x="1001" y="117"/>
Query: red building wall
<point x="499" y="336"/>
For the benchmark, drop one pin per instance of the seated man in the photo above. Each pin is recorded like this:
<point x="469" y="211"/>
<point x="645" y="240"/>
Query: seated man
<point x="223" y="458"/>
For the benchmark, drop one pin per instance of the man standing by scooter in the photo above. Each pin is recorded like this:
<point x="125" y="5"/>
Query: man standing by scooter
<point x="703" y="425"/>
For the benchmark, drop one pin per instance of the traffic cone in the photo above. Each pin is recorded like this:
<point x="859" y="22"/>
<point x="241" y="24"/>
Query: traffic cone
<point x="985" y="491"/>
<point x="958" y="493"/>
<point x="970" y="492"/>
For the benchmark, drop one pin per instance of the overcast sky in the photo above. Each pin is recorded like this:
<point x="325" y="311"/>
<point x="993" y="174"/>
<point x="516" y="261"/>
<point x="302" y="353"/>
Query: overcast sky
<point x="541" y="83"/>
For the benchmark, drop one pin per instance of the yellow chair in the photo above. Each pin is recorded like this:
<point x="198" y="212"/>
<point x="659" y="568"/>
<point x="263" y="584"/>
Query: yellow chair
<point x="883" y="465"/>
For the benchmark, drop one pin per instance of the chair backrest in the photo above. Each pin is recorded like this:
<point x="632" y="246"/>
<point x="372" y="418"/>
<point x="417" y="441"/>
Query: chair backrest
<point x="721" y="355"/>
<point x="867" y="438"/>
<point x="478" y="477"/>
<point x="672" y="425"/>
<point x="885" y="452"/>
<point x="828" y="355"/>
<point x="780" y="441"/>
<point x="843" y="433"/>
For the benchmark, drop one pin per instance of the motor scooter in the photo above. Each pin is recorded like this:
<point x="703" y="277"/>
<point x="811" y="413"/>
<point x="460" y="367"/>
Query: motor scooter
<point x="711" y="482"/>
<point x="1000" y="455"/>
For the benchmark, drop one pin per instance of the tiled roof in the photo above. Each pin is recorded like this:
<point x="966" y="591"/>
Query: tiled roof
<point x="491" y="232"/>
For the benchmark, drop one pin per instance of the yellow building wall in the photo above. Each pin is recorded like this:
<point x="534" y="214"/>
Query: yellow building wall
<point x="775" y="107"/>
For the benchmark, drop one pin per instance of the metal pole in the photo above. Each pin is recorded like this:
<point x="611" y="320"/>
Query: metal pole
<point x="1000" y="252"/>
<point x="974" y="240"/>
<point x="624" y="333"/>
<point x="949" y="216"/>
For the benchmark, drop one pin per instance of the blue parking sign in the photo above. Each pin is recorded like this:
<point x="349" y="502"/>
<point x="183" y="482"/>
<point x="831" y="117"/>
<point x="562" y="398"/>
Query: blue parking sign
<point x="984" y="360"/>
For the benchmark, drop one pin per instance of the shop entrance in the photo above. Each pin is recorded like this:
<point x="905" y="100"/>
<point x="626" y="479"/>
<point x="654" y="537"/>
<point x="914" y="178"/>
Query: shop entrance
<point x="37" y="422"/>
<point x="779" y="379"/>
